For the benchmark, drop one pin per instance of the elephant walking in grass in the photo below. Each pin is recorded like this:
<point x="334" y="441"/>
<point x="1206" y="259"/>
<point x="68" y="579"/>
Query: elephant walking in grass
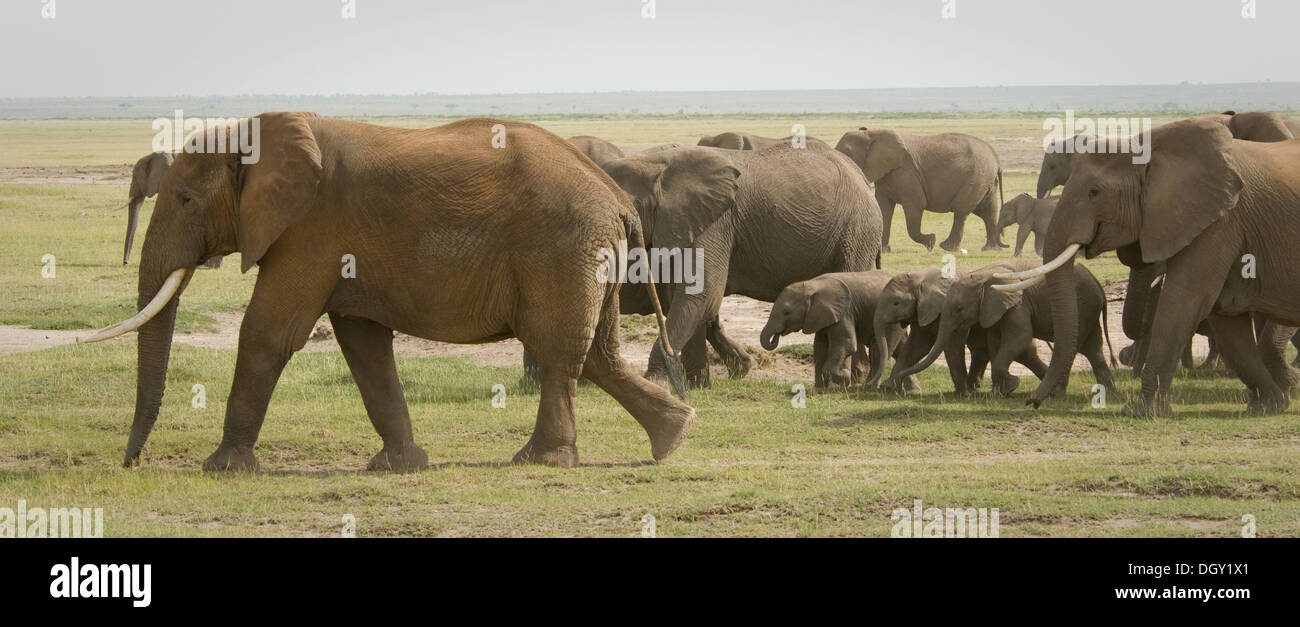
<point x="452" y="239"/>
<point x="1013" y="319"/>
<point x="1032" y="215"/>
<point x="946" y="173"/>
<point x="762" y="219"/>
<point x="915" y="299"/>
<point x="146" y="177"/>
<point x="1206" y="205"/>
<point x="839" y="309"/>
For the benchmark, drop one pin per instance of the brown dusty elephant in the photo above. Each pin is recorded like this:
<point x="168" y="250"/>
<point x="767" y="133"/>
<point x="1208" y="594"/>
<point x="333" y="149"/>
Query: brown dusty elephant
<point x="1013" y="319"/>
<point x="798" y="213"/>
<point x="596" y="149"/>
<point x="946" y="173"/>
<point x="1257" y="126"/>
<point x="838" y="308"/>
<point x="1223" y="214"/>
<point x="450" y="235"/>
<point x="915" y="299"/>
<point x="1032" y="214"/>
<point x="146" y="176"/>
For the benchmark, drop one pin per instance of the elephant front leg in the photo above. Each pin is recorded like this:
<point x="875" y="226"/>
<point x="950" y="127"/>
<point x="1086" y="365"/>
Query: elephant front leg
<point x="887" y="206"/>
<point x="840" y="343"/>
<point x="368" y="348"/>
<point x="1004" y="347"/>
<point x="953" y="243"/>
<point x="913" y="215"/>
<point x="733" y="354"/>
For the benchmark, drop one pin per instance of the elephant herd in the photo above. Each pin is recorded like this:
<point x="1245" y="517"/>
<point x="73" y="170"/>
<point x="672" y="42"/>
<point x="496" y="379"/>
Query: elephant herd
<point x="463" y="240"/>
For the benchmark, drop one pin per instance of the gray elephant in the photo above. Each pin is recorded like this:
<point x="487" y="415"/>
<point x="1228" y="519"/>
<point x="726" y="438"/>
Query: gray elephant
<point x="1013" y="319"/>
<point x="1032" y="214"/>
<point x="146" y="177"/>
<point x="750" y="141"/>
<point x="839" y="309"/>
<point x="762" y="220"/>
<point x="946" y="173"/>
<point x="915" y="299"/>
<point x="1255" y="126"/>
<point x="596" y="149"/>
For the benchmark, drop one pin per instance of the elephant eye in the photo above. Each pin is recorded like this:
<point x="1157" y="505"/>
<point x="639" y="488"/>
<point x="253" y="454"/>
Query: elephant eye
<point x="1093" y="192"/>
<point x="186" y="196"/>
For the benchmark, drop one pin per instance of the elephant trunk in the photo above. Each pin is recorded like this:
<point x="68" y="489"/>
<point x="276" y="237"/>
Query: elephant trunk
<point x="1065" y="320"/>
<point x="1044" y="184"/>
<point x="132" y="218"/>
<point x="945" y="330"/>
<point x="153" y="351"/>
<point x="881" y="346"/>
<point x="770" y="337"/>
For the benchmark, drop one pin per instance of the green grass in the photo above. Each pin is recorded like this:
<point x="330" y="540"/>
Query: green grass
<point x="753" y="465"/>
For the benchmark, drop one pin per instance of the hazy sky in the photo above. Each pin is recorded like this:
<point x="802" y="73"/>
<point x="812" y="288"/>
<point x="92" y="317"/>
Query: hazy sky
<point x="230" y="47"/>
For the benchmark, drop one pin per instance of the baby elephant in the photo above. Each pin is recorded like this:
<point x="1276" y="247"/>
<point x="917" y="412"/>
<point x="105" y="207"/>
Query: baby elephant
<point x="1012" y="320"/>
<point x="838" y="308"/>
<point x="1032" y="214"/>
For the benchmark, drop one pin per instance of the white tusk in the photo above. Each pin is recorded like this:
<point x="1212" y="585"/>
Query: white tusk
<point x="160" y="300"/>
<point x="1156" y="281"/>
<point x="1060" y="260"/>
<point x="1021" y="285"/>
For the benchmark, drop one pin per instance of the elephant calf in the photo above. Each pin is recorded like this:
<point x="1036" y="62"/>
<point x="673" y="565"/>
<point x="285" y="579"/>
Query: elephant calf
<point x="1032" y="215"/>
<point x="839" y="309"/>
<point x="915" y="299"/>
<point x="1013" y="319"/>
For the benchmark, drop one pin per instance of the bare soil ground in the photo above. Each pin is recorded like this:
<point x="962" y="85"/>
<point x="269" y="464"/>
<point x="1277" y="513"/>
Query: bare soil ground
<point x="62" y="175"/>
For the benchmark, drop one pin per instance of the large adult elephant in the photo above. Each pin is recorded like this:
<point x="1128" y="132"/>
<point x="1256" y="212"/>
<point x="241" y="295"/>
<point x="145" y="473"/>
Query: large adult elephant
<point x="596" y="149"/>
<point x="774" y="217"/>
<point x="1256" y="126"/>
<point x="946" y="173"/>
<point x="449" y="239"/>
<point x="1222" y="213"/>
<point x="738" y="141"/>
<point x="146" y="176"/>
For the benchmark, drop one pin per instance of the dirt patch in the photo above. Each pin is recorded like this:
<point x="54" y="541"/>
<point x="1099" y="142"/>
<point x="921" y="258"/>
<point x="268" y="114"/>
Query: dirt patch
<point x="64" y="175"/>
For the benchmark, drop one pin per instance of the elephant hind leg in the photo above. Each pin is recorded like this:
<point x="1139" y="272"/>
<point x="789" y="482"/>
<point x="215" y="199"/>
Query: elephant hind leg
<point x="1234" y="335"/>
<point x="368" y="348"/>
<point x="560" y="343"/>
<point x="665" y="419"/>
<point x="987" y="210"/>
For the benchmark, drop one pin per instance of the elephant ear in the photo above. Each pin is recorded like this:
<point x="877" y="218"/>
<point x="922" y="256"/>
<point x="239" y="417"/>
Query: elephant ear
<point x="894" y="152"/>
<point x="929" y="302"/>
<point x="279" y="189"/>
<point x="995" y="304"/>
<point x="826" y="305"/>
<point x="1190" y="183"/>
<point x="1259" y="126"/>
<point x="696" y="189"/>
<point x="149" y="173"/>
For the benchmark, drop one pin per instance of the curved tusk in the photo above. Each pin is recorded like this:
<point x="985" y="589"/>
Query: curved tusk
<point x="1021" y="285"/>
<point x="160" y="300"/>
<point x="1060" y="260"/>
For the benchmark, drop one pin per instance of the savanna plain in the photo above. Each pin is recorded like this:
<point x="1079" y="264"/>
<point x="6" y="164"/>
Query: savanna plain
<point x="754" y="464"/>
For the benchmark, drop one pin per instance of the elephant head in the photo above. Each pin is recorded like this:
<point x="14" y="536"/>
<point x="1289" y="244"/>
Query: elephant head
<point x="596" y="149"/>
<point x="879" y="152"/>
<point x="1259" y="126"/>
<point x="212" y="204"/>
<point x="971" y="300"/>
<point x="807" y="306"/>
<point x="1148" y="212"/>
<point x="677" y="193"/>
<point x="1017" y="210"/>
<point x="730" y="141"/>
<point x="146" y="177"/>
<point x="1056" y="166"/>
<point x="909" y="298"/>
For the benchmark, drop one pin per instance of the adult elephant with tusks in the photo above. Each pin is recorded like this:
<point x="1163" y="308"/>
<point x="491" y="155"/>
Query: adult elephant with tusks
<point x="453" y="239"/>
<point x="947" y="173"/>
<point x="1207" y="205"/>
<point x="761" y="219"/>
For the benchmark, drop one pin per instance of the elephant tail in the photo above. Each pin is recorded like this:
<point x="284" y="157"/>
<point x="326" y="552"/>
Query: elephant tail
<point x="878" y="253"/>
<point x="672" y="361"/>
<point x="1001" y="199"/>
<point x="1105" y="322"/>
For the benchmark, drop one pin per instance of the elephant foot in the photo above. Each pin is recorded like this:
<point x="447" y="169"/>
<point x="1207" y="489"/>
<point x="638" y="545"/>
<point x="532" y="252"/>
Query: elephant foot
<point x="911" y="385"/>
<point x="927" y="241"/>
<point x="697" y="381"/>
<point x="213" y="262"/>
<point x="408" y="457"/>
<point x="1267" y="405"/>
<point x="231" y="458"/>
<point x="738" y="365"/>
<point x="995" y="247"/>
<point x="1143" y="408"/>
<point x="1006" y="385"/>
<point x="670" y="432"/>
<point x="951" y="246"/>
<point x="534" y="452"/>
